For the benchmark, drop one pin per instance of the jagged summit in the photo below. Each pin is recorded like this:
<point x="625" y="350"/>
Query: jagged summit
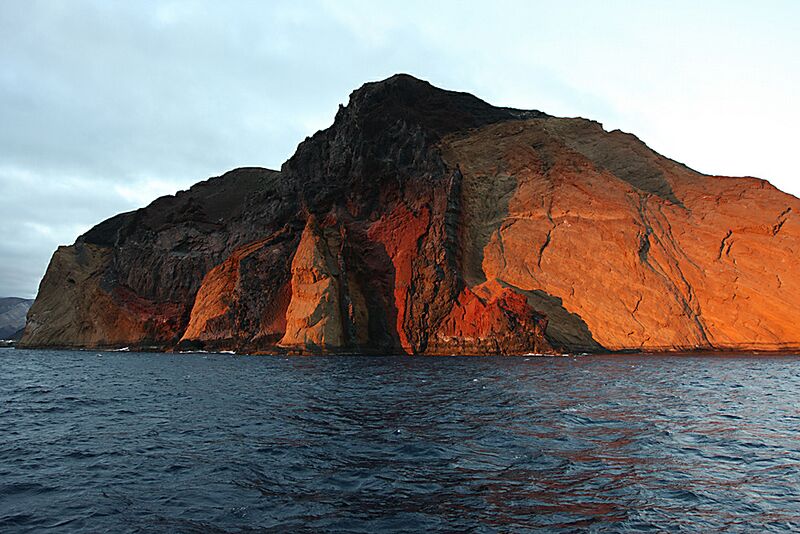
<point x="404" y="97"/>
<point x="386" y="128"/>
<point x="428" y="221"/>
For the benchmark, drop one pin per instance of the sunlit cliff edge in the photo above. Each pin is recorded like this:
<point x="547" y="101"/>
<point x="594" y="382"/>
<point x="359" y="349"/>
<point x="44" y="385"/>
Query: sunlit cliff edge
<point x="426" y="221"/>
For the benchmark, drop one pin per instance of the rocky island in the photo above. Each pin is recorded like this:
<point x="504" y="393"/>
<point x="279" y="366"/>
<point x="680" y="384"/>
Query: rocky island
<point x="426" y="221"/>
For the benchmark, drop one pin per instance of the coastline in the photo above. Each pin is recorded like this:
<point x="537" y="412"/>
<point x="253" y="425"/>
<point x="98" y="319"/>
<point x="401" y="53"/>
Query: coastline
<point x="683" y="352"/>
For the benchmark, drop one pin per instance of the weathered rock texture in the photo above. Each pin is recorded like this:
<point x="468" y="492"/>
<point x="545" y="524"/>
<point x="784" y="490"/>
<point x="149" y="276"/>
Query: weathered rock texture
<point x="428" y="221"/>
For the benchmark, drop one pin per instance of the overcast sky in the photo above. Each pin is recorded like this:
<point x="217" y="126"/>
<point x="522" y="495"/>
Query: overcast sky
<point x="106" y="105"/>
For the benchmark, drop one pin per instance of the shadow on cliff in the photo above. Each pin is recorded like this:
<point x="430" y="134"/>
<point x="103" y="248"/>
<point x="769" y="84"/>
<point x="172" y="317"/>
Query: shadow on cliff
<point x="566" y="331"/>
<point x="484" y="206"/>
<point x="378" y="281"/>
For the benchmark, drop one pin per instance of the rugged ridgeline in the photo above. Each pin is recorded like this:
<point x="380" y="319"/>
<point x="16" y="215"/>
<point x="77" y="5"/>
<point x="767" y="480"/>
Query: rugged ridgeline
<point x="428" y="221"/>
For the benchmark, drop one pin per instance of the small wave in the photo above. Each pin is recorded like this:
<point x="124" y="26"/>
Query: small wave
<point x="397" y="444"/>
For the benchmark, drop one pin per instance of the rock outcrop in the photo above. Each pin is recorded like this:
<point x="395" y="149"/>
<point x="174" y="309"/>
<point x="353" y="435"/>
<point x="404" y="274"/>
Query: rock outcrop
<point x="427" y="221"/>
<point x="314" y="318"/>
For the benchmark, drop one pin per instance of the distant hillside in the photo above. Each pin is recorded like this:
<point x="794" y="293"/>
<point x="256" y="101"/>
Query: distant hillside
<point x="12" y="316"/>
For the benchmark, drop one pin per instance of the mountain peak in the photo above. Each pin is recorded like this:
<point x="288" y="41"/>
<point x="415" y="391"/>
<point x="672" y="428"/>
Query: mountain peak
<point x="401" y="79"/>
<point x="394" y="120"/>
<point x="440" y="111"/>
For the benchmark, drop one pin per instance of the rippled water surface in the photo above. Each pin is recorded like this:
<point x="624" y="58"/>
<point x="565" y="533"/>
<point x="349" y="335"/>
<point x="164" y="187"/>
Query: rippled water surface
<point x="124" y="442"/>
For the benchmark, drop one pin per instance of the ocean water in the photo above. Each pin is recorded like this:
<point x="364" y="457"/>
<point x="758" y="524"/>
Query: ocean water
<point x="126" y="442"/>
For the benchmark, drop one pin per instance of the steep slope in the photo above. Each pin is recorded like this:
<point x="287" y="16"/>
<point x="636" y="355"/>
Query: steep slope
<point x="428" y="221"/>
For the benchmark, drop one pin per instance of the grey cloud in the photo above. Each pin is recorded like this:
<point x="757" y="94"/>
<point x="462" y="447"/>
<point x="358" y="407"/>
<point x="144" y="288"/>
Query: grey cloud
<point x="100" y="98"/>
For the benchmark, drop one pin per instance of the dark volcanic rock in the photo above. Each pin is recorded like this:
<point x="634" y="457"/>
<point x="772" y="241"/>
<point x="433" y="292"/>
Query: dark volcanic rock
<point x="428" y="221"/>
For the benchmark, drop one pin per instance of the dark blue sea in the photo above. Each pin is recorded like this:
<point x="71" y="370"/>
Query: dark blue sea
<point x="126" y="442"/>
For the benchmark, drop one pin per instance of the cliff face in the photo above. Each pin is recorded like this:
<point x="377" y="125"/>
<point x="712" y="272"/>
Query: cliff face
<point x="428" y="221"/>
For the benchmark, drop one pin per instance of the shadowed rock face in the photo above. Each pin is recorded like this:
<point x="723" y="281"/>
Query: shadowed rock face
<point x="430" y="222"/>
